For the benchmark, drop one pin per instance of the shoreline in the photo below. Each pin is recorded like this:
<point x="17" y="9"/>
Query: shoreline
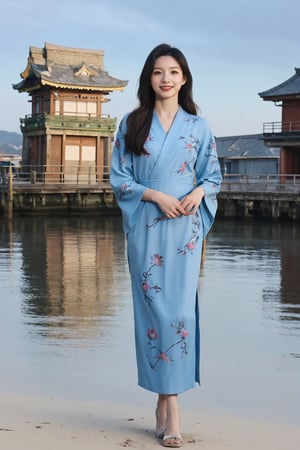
<point x="28" y="422"/>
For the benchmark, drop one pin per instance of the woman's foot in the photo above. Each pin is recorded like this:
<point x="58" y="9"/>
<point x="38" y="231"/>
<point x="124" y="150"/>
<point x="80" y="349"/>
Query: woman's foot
<point x="161" y="417"/>
<point x="172" y="440"/>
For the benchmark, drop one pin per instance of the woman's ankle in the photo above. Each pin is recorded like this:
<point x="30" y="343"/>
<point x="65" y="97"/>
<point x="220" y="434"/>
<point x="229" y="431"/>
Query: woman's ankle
<point x="173" y="416"/>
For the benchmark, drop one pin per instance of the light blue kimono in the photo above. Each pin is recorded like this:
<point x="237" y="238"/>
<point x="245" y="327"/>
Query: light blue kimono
<point x="164" y="254"/>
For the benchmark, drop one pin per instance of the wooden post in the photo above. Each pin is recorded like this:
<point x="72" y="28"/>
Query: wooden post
<point x="33" y="177"/>
<point x="9" y="212"/>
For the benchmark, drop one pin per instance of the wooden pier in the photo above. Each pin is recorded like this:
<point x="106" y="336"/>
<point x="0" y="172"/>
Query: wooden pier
<point x="32" y="193"/>
<point x="273" y="197"/>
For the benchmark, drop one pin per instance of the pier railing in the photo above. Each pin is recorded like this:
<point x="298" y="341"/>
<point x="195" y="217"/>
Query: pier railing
<point x="84" y="174"/>
<point x="261" y="183"/>
<point x="93" y="176"/>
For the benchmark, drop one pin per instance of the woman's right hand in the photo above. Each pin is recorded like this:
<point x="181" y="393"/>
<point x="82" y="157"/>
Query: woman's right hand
<point x="169" y="205"/>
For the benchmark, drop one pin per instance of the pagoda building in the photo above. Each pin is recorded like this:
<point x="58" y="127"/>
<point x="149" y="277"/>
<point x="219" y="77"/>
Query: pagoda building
<point x="285" y="134"/>
<point x="66" y="137"/>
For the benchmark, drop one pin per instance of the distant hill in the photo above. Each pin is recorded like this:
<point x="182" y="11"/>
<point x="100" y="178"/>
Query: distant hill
<point x="10" y="143"/>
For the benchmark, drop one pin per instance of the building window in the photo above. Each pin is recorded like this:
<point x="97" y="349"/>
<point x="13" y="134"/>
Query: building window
<point x="73" y="153"/>
<point x="80" y="108"/>
<point x="37" y="105"/>
<point x="57" y="107"/>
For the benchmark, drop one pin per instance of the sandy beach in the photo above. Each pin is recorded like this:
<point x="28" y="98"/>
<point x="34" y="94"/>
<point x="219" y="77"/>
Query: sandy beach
<point x="36" y="423"/>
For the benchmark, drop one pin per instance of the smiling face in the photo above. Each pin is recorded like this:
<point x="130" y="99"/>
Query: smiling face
<point x="167" y="78"/>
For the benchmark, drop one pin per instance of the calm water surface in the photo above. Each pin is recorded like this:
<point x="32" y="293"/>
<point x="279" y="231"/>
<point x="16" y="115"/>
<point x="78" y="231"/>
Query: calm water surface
<point x="66" y="315"/>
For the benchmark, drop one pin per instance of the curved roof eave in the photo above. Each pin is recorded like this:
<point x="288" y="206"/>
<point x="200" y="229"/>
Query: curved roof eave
<point x="80" y="87"/>
<point x="287" y="88"/>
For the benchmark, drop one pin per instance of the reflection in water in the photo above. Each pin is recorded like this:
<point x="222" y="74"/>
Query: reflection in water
<point x="290" y="275"/>
<point x="74" y="272"/>
<point x="71" y="276"/>
<point x="272" y="250"/>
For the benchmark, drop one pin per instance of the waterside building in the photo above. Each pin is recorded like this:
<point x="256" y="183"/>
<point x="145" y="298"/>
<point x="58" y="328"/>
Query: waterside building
<point x="247" y="155"/>
<point x="66" y="135"/>
<point x="285" y="134"/>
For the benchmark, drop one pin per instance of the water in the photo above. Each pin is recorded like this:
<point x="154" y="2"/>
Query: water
<point x="66" y="326"/>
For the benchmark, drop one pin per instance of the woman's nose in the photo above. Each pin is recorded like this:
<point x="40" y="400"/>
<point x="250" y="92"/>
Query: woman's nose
<point x="165" y="77"/>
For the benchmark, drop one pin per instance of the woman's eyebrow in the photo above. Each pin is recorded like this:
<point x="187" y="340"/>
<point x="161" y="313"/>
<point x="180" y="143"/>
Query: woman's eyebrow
<point x="159" y="67"/>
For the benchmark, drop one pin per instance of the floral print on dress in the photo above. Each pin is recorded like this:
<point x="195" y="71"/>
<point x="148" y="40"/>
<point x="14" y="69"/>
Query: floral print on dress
<point x="193" y="119"/>
<point x="155" y="222"/>
<point x="191" y="142"/>
<point x="149" y="139"/>
<point x="159" y="355"/>
<point x="184" y="166"/>
<point x="190" y="246"/>
<point x="212" y="150"/>
<point x="149" y="288"/>
<point x="124" y="189"/>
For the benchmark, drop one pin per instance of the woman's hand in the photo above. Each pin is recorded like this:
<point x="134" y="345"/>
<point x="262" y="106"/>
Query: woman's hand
<point x="190" y="203"/>
<point x="169" y="205"/>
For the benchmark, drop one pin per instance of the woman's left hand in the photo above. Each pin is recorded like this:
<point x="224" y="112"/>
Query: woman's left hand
<point x="191" y="202"/>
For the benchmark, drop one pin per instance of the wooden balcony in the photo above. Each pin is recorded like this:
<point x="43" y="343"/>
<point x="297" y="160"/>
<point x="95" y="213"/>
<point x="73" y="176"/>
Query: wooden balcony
<point x="104" y="124"/>
<point x="277" y="134"/>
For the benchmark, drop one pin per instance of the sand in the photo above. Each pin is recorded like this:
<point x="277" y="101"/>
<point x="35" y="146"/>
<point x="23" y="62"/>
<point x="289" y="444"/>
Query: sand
<point x="37" y="423"/>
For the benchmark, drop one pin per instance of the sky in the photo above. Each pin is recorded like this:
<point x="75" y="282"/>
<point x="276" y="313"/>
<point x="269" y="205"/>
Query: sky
<point x="235" y="49"/>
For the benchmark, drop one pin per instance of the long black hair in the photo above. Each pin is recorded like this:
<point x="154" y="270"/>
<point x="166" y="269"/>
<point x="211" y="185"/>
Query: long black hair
<point x="139" y="120"/>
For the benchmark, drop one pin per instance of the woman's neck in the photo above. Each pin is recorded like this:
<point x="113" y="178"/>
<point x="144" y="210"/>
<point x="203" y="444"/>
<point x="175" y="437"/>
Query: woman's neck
<point x="166" y="114"/>
<point x="166" y="109"/>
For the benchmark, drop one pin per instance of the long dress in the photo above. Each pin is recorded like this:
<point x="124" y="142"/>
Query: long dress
<point x="164" y="254"/>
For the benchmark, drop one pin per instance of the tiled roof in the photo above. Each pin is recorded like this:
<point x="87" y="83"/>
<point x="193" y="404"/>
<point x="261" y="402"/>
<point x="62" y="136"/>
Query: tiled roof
<point x="288" y="87"/>
<point x="68" y="68"/>
<point x="247" y="146"/>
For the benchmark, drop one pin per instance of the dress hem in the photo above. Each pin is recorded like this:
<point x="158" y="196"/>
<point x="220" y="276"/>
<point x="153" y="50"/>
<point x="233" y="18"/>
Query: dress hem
<point x="195" y="384"/>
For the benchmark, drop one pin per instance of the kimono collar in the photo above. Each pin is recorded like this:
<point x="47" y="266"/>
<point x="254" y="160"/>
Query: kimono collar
<point x="157" y="123"/>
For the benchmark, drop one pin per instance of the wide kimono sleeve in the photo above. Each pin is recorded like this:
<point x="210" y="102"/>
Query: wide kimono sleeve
<point x="208" y="176"/>
<point x="127" y="191"/>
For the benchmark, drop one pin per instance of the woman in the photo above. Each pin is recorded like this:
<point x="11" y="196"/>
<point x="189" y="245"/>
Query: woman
<point x="165" y="175"/>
